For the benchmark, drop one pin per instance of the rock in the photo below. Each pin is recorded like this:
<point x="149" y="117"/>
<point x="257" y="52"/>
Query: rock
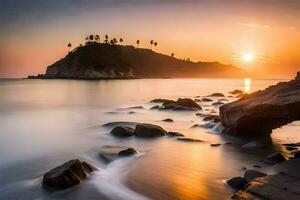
<point x="215" y="145"/>
<point x="111" y="153"/>
<point x="200" y="114"/>
<point x="133" y="107"/>
<point x="254" y="144"/>
<point x="257" y="166"/>
<point x="206" y="125"/>
<point x="182" y="104"/>
<point x="120" y="123"/>
<point x="184" y="139"/>
<point x="223" y="99"/>
<point x="274" y="159"/>
<point x="217" y="95"/>
<point x="161" y="101"/>
<point x="168" y="120"/>
<point x="206" y="99"/>
<point x="149" y="130"/>
<point x="131" y="112"/>
<point x="217" y="103"/>
<point x="237" y="182"/>
<point x="197" y="100"/>
<point x="292" y="144"/>
<point x="296" y="154"/>
<point x="213" y="118"/>
<point x="175" y="134"/>
<point x="122" y="131"/>
<point x="127" y="152"/>
<point x="289" y="148"/>
<point x="273" y="187"/>
<point x="155" y="108"/>
<point x="67" y="175"/>
<point x="236" y="92"/>
<point x="250" y="174"/>
<point x="262" y="111"/>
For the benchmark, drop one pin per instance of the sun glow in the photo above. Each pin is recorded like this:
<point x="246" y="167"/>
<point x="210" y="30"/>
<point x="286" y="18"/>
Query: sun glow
<point x="248" y="57"/>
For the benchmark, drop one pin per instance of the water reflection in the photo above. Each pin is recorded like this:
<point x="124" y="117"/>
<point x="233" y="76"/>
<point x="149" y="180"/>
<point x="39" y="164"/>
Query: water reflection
<point x="247" y="85"/>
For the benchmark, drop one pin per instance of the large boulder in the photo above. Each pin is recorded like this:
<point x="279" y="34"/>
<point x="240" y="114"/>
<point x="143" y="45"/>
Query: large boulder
<point x="262" y="111"/>
<point x="121" y="131"/>
<point x="251" y="174"/>
<point x="181" y="104"/>
<point x="149" y="130"/>
<point x="237" y="182"/>
<point x="67" y="175"/>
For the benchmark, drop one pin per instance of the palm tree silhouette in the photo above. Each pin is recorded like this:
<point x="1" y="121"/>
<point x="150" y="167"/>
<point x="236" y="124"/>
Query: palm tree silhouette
<point x="121" y="40"/>
<point x="106" y="39"/>
<point x="172" y="54"/>
<point x="91" y="37"/>
<point x="138" y="43"/>
<point x="151" y="42"/>
<point x="155" y="44"/>
<point x="115" y="40"/>
<point x="69" y="46"/>
<point x="97" y="38"/>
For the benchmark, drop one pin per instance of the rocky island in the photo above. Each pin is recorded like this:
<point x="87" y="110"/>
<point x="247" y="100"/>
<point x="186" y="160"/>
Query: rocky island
<point x="110" y="61"/>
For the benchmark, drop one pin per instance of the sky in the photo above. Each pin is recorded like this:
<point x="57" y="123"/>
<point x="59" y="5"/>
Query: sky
<point x="35" y="33"/>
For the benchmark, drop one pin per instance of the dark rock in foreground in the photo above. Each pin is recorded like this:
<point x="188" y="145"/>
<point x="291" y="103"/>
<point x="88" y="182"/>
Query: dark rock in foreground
<point x="67" y="175"/>
<point x="274" y="159"/>
<point x="237" y="182"/>
<point x="149" y="130"/>
<point x="121" y="131"/>
<point x="261" y="112"/>
<point x="250" y="174"/>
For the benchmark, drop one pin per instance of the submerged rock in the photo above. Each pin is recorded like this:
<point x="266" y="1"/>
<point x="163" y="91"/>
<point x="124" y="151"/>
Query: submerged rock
<point x="215" y="145"/>
<point x="217" y="95"/>
<point x="122" y="131"/>
<point x="127" y="152"/>
<point x="213" y="118"/>
<point x="67" y="175"/>
<point x="206" y="99"/>
<point x="155" y="108"/>
<point x="168" y="120"/>
<point x="262" y="111"/>
<point x="120" y="123"/>
<point x="182" y="104"/>
<point x="236" y="92"/>
<point x="237" y="182"/>
<point x="174" y="134"/>
<point x="149" y="130"/>
<point x="250" y="174"/>
<point x="254" y="144"/>
<point x="217" y="103"/>
<point x="274" y="159"/>
<point x="184" y="139"/>
<point x="161" y="101"/>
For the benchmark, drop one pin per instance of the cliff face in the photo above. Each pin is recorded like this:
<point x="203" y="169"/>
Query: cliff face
<point x="96" y="60"/>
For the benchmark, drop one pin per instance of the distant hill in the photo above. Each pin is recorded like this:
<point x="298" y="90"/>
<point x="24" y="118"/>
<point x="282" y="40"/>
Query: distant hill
<point x="99" y="60"/>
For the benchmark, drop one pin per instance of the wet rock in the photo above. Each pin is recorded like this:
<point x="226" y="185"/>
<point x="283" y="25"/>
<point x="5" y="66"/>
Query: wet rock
<point x="236" y="92"/>
<point x="135" y="107"/>
<point x="111" y="153"/>
<point x="182" y="104"/>
<point x="237" y="182"/>
<point x="120" y="123"/>
<point x="223" y="99"/>
<point x="262" y="111"/>
<point x="217" y="95"/>
<point x="197" y="100"/>
<point x="217" y="103"/>
<point x="215" y="145"/>
<point x="184" y="139"/>
<point x="175" y="134"/>
<point x="127" y="152"/>
<point x="168" y="120"/>
<point x="274" y="159"/>
<point x="213" y="118"/>
<point x="67" y="175"/>
<point x="257" y="166"/>
<point x="289" y="148"/>
<point x="292" y="144"/>
<point x="122" y="131"/>
<point x="206" y="125"/>
<point x="161" y="101"/>
<point x="149" y="130"/>
<point x="155" y="108"/>
<point x="273" y="187"/>
<point x="206" y="99"/>
<point x="250" y="174"/>
<point x="200" y="114"/>
<point x="131" y="112"/>
<point x="254" y="144"/>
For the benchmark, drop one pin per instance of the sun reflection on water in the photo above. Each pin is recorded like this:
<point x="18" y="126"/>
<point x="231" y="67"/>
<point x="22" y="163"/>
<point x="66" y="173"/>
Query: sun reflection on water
<point x="247" y="85"/>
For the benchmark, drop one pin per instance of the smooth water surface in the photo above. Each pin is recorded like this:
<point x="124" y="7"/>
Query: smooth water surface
<point x="44" y="123"/>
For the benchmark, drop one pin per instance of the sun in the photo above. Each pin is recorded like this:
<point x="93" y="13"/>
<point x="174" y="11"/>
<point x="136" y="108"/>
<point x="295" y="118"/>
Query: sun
<point x="248" y="57"/>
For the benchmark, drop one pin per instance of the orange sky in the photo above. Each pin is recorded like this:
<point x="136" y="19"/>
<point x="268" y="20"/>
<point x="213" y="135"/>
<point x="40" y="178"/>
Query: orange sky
<point x="35" y="34"/>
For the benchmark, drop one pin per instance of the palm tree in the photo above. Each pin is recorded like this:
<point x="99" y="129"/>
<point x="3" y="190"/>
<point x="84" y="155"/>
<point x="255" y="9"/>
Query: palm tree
<point x="155" y="44"/>
<point x="121" y="40"/>
<point x="69" y="46"/>
<point x="115" y="40"/>
<point x="97" y="38"/>
<point x="151" y="42"/>
<point x="91" y="37"/>
<point x="172" y="54"/>
<point x="106" y="39"/>
<point x="138" y="43"/>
